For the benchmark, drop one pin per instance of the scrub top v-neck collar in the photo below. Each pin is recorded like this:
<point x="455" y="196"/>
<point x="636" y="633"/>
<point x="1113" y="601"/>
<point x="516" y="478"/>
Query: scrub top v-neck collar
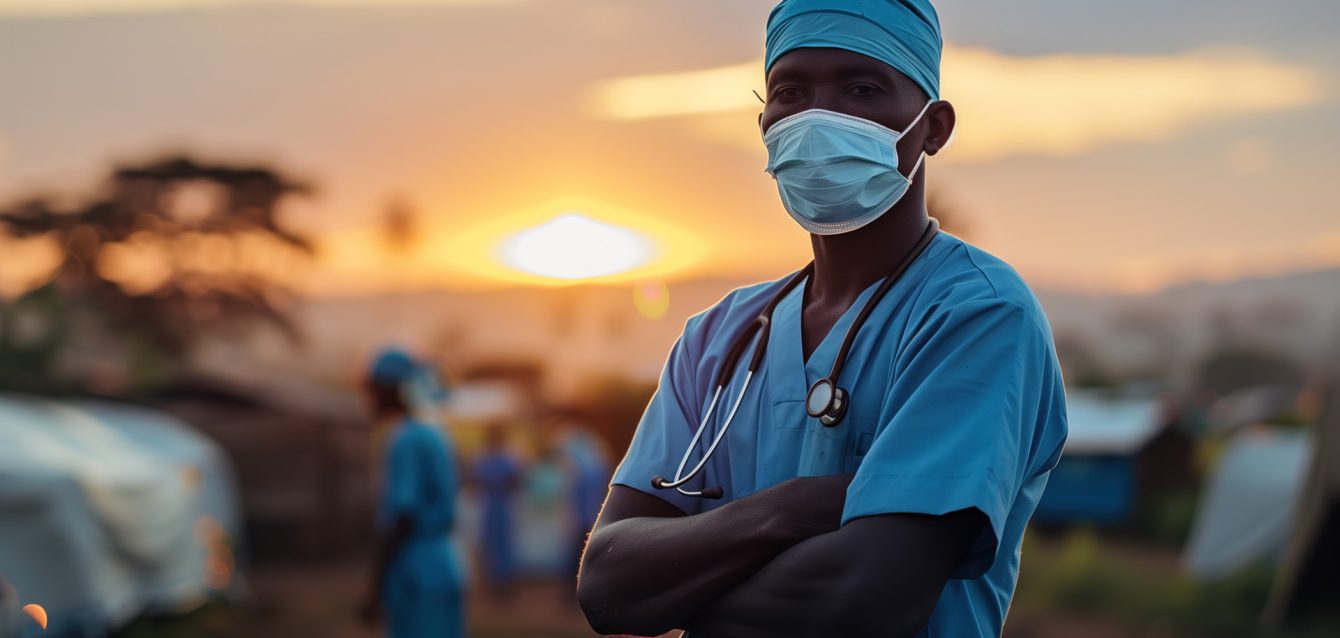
<point x="786" y="349"/>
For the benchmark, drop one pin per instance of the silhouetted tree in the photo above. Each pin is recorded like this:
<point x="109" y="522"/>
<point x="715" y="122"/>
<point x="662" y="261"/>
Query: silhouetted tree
<point x="399" y="226"/>
<point x="200" y="233"/>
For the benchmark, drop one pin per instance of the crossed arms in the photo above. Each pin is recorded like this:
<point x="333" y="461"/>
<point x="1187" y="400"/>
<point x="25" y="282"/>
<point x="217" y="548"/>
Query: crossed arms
<point x="774" y="563"/>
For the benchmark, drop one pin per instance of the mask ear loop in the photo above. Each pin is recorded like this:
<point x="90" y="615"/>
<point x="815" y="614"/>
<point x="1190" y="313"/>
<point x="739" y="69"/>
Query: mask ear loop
<point x="922" y="156"/>
<point x="917" y="119"/>
<point x="916" y="167"/>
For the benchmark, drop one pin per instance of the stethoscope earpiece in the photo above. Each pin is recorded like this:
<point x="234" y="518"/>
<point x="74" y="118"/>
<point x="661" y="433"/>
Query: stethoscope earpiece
<point x="660" y="483"/>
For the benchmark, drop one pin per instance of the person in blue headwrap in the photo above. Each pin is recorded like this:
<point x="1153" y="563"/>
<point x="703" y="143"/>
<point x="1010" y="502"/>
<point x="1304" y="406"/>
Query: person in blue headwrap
<point x="418" y="581"/>
<point x="891" y="498"/>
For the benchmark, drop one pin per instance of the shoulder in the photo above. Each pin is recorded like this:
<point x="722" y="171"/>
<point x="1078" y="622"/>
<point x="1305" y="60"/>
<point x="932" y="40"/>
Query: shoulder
<point x="413" y="434"/>
<point x="725" y="318"/>
<point x="967" y="281"/>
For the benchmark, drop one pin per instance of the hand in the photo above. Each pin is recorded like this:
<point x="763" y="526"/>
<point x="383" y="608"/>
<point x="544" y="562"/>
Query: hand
<point x="809" y="505"/>
<point x="371" y="611"/>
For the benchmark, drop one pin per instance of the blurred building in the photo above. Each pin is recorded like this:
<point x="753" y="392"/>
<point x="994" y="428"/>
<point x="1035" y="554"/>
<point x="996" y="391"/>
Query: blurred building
<point x="304" y="476"/>
<point x="1118" y="449"/>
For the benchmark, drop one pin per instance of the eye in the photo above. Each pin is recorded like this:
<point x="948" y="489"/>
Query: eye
<point x="787" y="92"/>
<point x="864" y="90"/>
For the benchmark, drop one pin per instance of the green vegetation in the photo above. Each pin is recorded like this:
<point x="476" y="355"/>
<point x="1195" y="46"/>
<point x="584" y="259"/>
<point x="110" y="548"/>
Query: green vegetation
<point x="1144" y="590"/>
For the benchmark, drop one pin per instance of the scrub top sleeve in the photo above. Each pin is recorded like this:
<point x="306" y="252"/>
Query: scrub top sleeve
<point x="665" y="430"/>
<point x="964" y="408"/>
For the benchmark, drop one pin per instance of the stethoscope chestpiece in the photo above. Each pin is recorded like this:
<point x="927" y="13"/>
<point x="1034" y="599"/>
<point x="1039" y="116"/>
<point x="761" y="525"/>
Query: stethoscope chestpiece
<point x="826" y="402"/>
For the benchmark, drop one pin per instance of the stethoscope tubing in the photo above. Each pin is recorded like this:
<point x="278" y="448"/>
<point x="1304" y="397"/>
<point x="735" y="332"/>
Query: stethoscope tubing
<point x="711" y="449"/>
<point x="761" y="324"/>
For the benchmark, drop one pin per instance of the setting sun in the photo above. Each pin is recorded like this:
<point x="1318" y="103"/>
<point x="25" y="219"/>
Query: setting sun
<point x="573" y="246"/>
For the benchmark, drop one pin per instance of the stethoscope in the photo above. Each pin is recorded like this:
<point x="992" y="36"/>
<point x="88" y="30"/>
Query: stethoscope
<point x="825" y="400"/>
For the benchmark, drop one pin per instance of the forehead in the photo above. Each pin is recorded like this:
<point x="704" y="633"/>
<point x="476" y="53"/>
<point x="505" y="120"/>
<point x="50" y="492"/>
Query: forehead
<point x="805" y="63"/>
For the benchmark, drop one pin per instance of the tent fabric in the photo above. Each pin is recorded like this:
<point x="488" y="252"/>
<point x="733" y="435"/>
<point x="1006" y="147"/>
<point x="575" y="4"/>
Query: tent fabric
<point x="1249" y="505"/>
<point x="1110" y="426"/>
<point x="102" y="509"/>
<point x="1095" y="480"/>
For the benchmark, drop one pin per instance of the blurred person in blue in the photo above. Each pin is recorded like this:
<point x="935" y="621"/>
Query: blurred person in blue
<point x="854" y="449"/>
<point x="587" y="471"/>
<point x="497" y="477"/>
<point x="418" y="582"/>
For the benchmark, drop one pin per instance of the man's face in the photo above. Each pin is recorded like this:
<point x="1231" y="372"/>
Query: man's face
<point x="845" y="82"/>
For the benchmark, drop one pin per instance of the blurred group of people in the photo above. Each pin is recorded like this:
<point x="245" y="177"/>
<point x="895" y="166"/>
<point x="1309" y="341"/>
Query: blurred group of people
<point x="421" y="577"/>
<point x="573" y="471"/>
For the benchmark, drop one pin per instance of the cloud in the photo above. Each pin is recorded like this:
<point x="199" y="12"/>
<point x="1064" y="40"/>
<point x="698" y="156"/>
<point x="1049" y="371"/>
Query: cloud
<point x="1060" y="105"/>
<point x="71" y="7"/>
<point x="640" y="97"/>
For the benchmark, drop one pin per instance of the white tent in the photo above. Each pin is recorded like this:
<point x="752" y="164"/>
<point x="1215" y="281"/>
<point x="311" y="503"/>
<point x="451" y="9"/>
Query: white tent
<point x="108" y="510"/>
<point x="1247" y="511"/>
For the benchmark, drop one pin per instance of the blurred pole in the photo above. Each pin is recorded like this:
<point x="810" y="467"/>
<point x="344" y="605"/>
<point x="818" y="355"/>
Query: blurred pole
<point x="1305" y="576"/>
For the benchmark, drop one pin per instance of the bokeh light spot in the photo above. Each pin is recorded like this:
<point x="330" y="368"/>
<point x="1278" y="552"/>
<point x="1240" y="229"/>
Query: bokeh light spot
<point x="38" y="614"/>
<point x="651" y="298"/>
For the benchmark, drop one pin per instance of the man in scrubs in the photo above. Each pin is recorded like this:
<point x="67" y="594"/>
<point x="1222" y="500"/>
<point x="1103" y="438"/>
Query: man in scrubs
<point x="418" y="579"/>
<point x="906" y="517"/>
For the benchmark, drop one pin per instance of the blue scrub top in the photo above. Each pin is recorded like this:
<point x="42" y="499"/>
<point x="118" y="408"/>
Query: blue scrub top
<point x="424" y="581"/>
<point x="956" y="402"/>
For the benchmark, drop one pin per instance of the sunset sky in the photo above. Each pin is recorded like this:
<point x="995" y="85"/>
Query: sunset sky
<point x="1101" y="146"/>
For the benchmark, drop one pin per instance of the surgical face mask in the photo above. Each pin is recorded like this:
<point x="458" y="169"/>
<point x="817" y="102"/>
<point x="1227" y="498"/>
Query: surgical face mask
<point x="836" y="172"/>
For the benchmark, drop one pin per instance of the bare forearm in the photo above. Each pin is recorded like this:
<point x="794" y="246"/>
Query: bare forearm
<point x="649" y="568"/>
<point x="648" y="575"/>
<point x="803" y="592"/>
<point x="879" y="576"/>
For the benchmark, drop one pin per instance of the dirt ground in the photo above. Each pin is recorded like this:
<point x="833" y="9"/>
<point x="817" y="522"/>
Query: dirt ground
<point x="323" y="601"/>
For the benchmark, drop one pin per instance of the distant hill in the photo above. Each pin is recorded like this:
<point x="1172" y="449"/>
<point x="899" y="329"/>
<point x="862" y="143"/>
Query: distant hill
<point x="584" y="332"/>
<point x="1296" y="315"/>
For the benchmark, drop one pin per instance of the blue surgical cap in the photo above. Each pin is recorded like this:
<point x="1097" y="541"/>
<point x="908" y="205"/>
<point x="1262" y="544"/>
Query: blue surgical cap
<point x="905" y="34"/>
<point x="393" y="366"/>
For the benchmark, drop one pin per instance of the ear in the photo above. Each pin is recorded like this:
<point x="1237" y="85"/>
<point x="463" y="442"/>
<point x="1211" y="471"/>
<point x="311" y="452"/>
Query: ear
<point x="940" y="129"/>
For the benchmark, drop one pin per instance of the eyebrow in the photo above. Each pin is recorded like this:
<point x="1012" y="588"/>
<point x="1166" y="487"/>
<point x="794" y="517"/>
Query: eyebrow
<point x="844" y="71"/>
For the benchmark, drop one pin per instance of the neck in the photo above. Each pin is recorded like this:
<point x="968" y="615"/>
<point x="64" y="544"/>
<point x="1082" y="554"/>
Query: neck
<point x="846" y="264"/>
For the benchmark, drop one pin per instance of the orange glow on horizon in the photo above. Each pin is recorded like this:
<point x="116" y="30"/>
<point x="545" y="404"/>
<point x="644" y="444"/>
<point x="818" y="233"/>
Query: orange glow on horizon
<point x="477" y="249"/>
<point x="472" y="257"/>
